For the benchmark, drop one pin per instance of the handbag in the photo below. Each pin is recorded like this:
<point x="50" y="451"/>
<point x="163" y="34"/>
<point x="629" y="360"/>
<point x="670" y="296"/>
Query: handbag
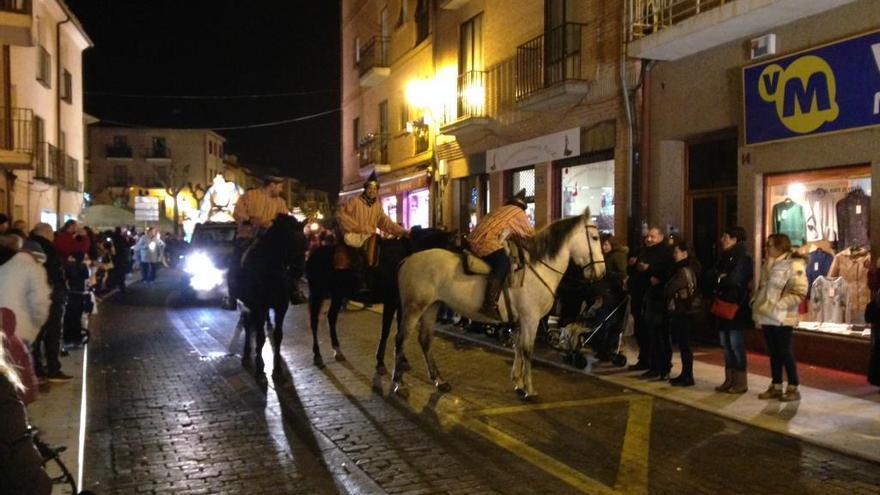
<point x="724" y="309"/>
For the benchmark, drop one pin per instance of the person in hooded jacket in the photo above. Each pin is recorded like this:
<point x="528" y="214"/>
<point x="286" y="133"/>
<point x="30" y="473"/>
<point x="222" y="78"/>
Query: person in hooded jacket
<point x="77" y="274"/>
<point x="775" y="308"/>
<point x="732" y="275"/>
<point x="49" y="338"/>
<point x="30" y="301"/>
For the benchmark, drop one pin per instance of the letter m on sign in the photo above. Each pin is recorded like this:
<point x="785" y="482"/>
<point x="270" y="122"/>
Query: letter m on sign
<point x="796" y="93"/>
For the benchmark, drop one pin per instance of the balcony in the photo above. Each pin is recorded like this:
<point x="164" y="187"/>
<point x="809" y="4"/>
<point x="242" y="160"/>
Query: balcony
<point x="472" y="118"/>
<point x="373" y="66"/>
<point x="452" y="4"/>
<point x="70" y="179"/>
<point x="119" y="152"/>
<point x="16" y="22"/>
<point x="674" y="29"/>
<point x="373" y="154"/>
<point x="548" y="68"/>
<point x="49" y="163"/>
<point x="157" y="153"/>
<point x="16" y="138"/>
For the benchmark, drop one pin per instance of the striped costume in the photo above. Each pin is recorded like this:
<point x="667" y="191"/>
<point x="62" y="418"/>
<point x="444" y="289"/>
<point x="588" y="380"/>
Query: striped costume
<point x="260" y="209"/>
<point x="486" y="237"/>
<point x="357" y="217"/>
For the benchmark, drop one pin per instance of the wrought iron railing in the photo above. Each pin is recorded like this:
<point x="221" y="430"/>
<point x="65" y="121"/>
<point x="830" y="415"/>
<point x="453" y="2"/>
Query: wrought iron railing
<point x="17" y="6"/>
<point x="650" y="16"/>
<point x="157" y="152"/>
<point x="373" y="54"/>
<point x="373" y="149"/>
<point x="549" y="59"/>
<point x="17" y="129"/>
<point x="471" y="92"/>
<point x="49" y="164"/>
<point x="119" y="151"/>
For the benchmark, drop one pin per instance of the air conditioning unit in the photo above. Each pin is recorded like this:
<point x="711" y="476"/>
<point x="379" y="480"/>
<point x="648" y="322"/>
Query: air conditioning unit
<point x="763" y="46"/>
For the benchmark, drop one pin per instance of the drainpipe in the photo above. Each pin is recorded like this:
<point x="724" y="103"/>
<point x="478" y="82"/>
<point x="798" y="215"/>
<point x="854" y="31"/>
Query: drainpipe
<point x="58" y="81"/>
<point x="625" y="91"/>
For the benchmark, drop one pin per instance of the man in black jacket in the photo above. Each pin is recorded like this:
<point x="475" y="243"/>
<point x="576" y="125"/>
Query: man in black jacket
<point x="49" y="338"/>
<point x="649" y="271"/>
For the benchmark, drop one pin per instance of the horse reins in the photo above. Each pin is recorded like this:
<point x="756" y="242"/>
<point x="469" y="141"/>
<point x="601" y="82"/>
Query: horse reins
<point x="592" y="261"/>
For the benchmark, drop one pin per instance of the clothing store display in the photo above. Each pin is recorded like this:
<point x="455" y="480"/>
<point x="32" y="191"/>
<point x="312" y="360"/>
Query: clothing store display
<point x="853" y="218"/>
<point x="853" y="265"/>
<point x="818" y="264"/>
<point x="821" y="216"/>
<point x="828" y="299"/>
<point x="788" y="219"/>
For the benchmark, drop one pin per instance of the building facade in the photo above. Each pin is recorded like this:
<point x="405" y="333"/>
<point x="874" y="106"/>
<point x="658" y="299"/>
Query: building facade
<point x="41" y="113"/>
<point x="459" y="104"/>
<point x="751" y="117"/>
<point x="153" y="157"/>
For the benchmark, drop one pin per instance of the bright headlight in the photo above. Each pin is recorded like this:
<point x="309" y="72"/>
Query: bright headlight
<point x="205" y="276"/>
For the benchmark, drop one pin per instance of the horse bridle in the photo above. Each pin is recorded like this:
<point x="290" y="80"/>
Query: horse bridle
<point x="592" y="262"/>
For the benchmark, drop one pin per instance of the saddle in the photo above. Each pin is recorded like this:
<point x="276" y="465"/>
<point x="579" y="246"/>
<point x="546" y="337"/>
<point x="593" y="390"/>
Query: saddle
<point x="473" y="265"/>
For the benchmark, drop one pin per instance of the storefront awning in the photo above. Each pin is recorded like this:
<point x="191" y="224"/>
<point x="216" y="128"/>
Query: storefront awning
<point x="396" y="182"/>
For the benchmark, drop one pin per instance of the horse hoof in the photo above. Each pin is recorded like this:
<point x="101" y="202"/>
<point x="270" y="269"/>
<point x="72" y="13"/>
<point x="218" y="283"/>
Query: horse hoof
<point x="381" y="369"/>
<point x="338" y="355"/>
<point x="524" y="395"/>
<point x="401" y="390"/>
<point x="444" y="387"/>
<point x="318" y="360"/>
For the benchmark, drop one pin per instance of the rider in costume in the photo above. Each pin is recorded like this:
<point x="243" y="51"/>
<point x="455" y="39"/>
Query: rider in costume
<point x="359" y="218"/>
<point x="487" y="242"/>
<point x="255" y="212"/>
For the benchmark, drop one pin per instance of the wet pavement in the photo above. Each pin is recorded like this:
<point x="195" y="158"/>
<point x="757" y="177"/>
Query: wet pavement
<point x="171" y="412"/>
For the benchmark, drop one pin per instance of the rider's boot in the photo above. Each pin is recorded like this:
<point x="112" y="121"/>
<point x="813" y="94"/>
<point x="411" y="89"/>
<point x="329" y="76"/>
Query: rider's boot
<point x="490" y="302"/>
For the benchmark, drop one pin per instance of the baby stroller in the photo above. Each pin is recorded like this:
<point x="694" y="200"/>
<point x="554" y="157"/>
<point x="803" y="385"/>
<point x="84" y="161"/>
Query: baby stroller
<point x="606" y="328"/>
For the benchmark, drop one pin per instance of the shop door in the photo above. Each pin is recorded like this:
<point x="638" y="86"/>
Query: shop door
<point x="711" y="197"/>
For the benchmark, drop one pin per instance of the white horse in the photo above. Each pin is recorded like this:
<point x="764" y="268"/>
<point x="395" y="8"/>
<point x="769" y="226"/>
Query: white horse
<point x="430" y="277"/>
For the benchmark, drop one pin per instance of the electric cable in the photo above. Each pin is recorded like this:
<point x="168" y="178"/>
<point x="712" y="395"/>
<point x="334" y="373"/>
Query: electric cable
<point x="228" y="128"/>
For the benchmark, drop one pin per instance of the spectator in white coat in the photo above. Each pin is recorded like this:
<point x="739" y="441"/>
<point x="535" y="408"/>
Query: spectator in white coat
<point x="25" y="288"/>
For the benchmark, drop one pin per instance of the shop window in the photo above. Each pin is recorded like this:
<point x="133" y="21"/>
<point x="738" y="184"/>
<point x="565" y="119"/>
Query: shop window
<point x="525" y="179"/>
<point x="590" y="185"/>
<point x="418" y="209"/>
<point x="389" y="205"/>
<point x="825" y="213"/>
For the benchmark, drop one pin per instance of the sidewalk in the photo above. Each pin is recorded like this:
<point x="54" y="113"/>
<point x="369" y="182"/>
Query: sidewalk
<point x="59" y="412"/>
<point x="838" y="410"/>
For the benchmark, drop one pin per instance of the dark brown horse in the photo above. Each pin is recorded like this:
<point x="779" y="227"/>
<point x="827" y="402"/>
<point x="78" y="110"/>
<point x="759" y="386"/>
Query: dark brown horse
<point x="325" y="282"/>
<point x="269" y="269"/>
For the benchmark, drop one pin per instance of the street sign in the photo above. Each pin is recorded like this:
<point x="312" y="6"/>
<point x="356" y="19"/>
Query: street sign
<point x="146" y="209"/>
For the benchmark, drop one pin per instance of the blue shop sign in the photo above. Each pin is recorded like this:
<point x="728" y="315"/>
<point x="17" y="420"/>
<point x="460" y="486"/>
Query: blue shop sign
<point x="831" y="88"/>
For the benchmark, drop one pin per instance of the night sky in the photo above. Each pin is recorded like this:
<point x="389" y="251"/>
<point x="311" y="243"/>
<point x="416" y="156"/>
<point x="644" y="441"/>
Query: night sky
<point x="223" y="47"/>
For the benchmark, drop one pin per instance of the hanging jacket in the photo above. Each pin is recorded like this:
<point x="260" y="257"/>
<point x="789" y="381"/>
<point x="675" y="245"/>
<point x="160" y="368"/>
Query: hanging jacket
<point x="853" y="219"/>
<point x="783" y="287"/>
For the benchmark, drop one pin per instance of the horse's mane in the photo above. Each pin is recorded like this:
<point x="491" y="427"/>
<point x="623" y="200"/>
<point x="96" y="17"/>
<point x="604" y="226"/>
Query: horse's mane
<point x="549" y="240"/>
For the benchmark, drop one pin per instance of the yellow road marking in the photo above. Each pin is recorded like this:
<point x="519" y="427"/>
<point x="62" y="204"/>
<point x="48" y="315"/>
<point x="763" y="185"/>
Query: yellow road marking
<point x="493" y="411"/>
<point x="632" y="475"/>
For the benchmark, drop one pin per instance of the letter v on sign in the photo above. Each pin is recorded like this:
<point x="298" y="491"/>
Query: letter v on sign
<point x="771" y="81"/>
<point x="876" y="49"/>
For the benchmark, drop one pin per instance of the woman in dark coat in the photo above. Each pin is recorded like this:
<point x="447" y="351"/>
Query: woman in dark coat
<point x="733" y="274"/>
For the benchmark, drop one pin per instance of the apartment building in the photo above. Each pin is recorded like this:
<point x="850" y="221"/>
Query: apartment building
<point x="459" y="104"/>
<point x="153" y="157"/>
<point x="758" y="112"/>
<point x="41" y="116"/>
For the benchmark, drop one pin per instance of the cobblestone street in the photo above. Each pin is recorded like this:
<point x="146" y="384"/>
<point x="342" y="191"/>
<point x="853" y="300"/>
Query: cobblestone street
<point x="171" y="412"/>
